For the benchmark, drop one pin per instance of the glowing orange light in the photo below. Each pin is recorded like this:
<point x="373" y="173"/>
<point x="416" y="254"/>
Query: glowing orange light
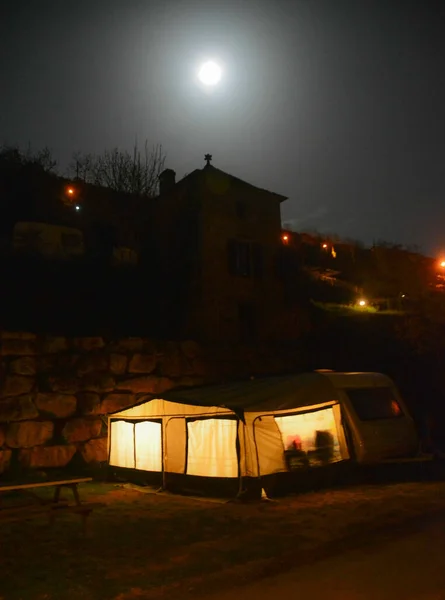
<point x="285" y="237"/>
<point x="70" y="191"/>
<point x="362" y="302"/>
<point x="325" y="246"/>
<point x="442" y="264"/>
<point x="395" y="409"/>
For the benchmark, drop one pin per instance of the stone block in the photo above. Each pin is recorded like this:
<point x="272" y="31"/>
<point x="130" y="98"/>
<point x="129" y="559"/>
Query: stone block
<point x="57" y="363"/>
<point x="149" y="347"/>
<point x="18" y="335"/>
<point x="21" y="408"/>
<point x="89" y="343"/>
<point x="199" y="367"/>
<point x="54" y="344"/>
<point x="64" y="383"/>
<point x="142" y="363"/>
<point x="189" y="381"/>
<point x="92" y="362"/>
<point x="27" y="434"/>
<point x="114" y="402"/>
<point x="23" y="366"/>
<point x="5" y="460"/>
<point x="168" y="348"/>
<point x="175" y="365"/>
<point x="82" y="430"/>
<point x="190" y="349"/>
<point x="128" y="345"/>
<point x="88" y="403"/>
<point x="47" y="456"/>
<point x="58" y="405"/>
<point x="118" y="364"/>
<point x="164" y="384"/>
<point x="95" y="451"/>
<point x="98" y="381"/>
<point x="15" y="385"/>
<point x="149" y="384"/>
<point x="17" y="348"/>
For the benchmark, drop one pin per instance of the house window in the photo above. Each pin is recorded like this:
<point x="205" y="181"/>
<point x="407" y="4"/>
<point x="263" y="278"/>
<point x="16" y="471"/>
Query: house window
<point x="258" y="260"/>
<point x="245" y="259"/>
<point x="239" y="257"/>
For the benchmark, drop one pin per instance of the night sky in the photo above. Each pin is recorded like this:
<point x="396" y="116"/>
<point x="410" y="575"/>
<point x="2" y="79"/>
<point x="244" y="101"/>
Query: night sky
<point x="338" y="105"/>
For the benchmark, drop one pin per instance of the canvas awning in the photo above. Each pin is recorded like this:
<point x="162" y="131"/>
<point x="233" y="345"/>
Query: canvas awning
<point x="258" y="395"/>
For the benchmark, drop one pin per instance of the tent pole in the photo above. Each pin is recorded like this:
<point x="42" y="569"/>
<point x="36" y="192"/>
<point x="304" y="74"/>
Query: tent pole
<point x="164" y="453"/>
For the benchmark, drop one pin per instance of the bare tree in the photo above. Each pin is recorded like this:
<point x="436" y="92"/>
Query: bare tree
<point x="43" y="158"/>
<point x="81" y="167"/>
<point x="135" y="173"/>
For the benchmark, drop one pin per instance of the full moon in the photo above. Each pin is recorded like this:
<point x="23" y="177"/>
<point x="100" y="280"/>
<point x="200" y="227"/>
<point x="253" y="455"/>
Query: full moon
<point x="209" y="73"/>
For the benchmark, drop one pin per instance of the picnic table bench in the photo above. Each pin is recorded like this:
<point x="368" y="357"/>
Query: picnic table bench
<point x="36" y="505"/>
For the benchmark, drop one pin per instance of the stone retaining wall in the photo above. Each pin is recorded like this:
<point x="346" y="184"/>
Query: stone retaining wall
<point x="56" y="391"/>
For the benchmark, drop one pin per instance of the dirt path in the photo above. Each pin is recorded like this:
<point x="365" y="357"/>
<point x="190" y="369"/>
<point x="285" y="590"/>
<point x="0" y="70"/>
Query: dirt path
<point x="409" y="565"/>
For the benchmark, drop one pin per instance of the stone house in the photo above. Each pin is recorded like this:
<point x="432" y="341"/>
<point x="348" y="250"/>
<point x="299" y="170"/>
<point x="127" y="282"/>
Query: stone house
<point x="213" y="244"/>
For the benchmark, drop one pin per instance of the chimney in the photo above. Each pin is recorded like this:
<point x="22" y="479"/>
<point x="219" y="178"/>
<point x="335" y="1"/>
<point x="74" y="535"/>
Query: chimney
<point x="167" y="181"/>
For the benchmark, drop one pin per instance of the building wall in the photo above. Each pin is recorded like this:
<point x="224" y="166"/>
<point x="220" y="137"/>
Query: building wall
<point x="175" y="249"/>
<point x="217" y="309"/>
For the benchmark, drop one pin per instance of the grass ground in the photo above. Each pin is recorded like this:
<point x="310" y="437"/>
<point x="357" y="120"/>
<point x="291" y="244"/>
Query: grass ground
<point x="144" y="546"/>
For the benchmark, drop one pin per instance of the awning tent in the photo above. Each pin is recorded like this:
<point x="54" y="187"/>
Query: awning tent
<point x="236" y="430"/>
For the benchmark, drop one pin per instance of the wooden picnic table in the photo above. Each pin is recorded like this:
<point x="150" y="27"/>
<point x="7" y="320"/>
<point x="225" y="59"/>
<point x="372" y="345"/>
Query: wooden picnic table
<point x="36" y="505"/>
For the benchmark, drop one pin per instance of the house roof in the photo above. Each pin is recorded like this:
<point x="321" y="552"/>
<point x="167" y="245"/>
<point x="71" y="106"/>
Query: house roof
<point x="216" y="179"/>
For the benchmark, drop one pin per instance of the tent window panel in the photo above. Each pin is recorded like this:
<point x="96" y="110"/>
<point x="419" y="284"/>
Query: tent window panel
<point x="269" y="446"/>
<point x="311" y="437"/>
<point x="122" y="444"/>
<point x="211" y="448"/>
<point x="175" y="445"/>
<point x="148" y="441"/>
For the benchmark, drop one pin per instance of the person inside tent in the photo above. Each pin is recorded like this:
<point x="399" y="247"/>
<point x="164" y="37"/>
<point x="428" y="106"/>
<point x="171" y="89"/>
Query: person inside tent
<point x="294" y="454"/>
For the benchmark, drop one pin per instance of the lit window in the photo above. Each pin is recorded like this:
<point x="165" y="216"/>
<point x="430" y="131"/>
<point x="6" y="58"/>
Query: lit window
<point x="312" y="436"/>
<point x="148" y="442"/>
<point x="122" y="444"/>
<point x="136" y="445"/>
<point x="211" y="448"/>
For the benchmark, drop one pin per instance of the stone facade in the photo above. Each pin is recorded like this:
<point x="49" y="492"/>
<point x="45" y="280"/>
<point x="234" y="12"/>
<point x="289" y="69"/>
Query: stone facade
<point x="216" y="241"/>
<point x="56" y="392"/>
